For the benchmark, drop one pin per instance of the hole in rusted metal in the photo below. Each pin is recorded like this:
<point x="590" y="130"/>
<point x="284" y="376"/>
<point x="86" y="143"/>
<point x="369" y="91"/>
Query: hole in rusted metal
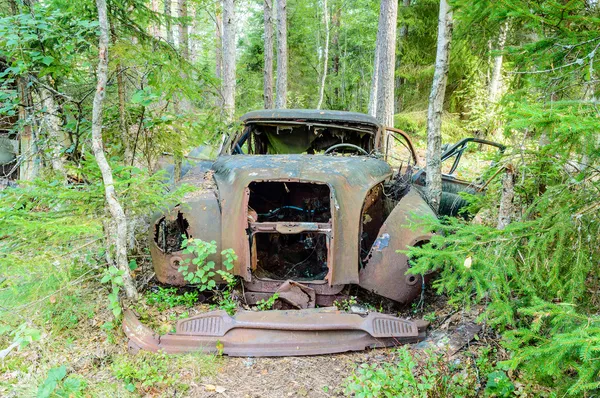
<point x="169" y="233"/>
<point x="372" y="219"/>
<point x="290" y="201"/>
<point x="301" y="257"/>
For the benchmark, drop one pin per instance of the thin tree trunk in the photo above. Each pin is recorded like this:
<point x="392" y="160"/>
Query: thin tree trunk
<point x="378" y="49"/>
<point x="325" y="55"/>
<point x="167" y="6"/>
<point x="433" y="170"/>
<point x="402" y="34"/>
<point x="268" y="67"/>
<point x="282" y="55"/>
<point x="506" y="200"/>
<point x="112" y="201"/>
<point x="28" y="147"/>
<point x="387" y="64"/>
<point x="155" y="28"/>
<point x="229" y="59"/>
<point x="496" y="78"/>
<point x="123" y="124"/>
<point x="336" y="18"/>
<point x="183" y="29"/>
<point x="219" y="52"/>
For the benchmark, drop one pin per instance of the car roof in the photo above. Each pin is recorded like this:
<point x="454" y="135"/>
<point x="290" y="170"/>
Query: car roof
<point x="308" y="115"/>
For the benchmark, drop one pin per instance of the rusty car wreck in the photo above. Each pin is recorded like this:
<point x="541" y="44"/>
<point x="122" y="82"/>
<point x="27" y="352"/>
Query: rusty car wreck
<point x="311" y="203"/>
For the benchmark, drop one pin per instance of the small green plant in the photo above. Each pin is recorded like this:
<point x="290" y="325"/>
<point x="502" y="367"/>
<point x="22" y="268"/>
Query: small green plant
<point x="499" y="384"/>
<point x="226" y="300"/>
<point x="22" y="336"/>
<point x="115" y="277"/>
<point x="204" y="275"/>
<point x="403" y="378"/>
<point x="265" y="305"/>
<point x="430" y="317"/>
<point x="144" y="371"/>
<point x="57" y="384"/>
<point x="164" y="298"/>
<point x="345" y="304"/>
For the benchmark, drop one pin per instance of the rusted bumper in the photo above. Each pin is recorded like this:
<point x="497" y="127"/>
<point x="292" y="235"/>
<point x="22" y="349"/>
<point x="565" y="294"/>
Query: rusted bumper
<point x="276" y="333"/>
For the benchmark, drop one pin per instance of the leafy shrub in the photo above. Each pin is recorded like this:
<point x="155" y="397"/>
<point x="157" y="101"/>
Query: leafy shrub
<point x="204" y="275"/>
<point x="265" y="305"/>
<point x="144" y="371"/>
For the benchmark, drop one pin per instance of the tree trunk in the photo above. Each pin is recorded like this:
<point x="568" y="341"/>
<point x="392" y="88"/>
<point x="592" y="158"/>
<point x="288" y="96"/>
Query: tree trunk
<point x="496" y="78"/>
<point x="52" y="124"/>
<point x="167" y="7"/>
<point x="155" y="28"/>
<point x="387" y="64"/>
<point x="183" y="29"/>
<point x="325" y="55"/>
<point x="268" y="67"/>
<point x="372" y="109"/>
<point x="228" y="59"/>
<point x="336" y="18"/>
<point x="28" y="169"/>
<point x="506" y="200"/>
<point x="433" y="181"/>
<point x="282" y="55"/>
<point x="219" y="52"/>
<point x="402" y="34"/>
<point x="112" y="201"/>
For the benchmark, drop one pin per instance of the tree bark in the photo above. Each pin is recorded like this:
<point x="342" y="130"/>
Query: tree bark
<point x="506" y="200"/>
<point x="387" y="63"/>
<point x="52" y="123"/>
<point x="336" y="18"/>
<point x="402" y="34"/>
<point x="282" y="55"/>
<point x="496" y="78"/>
<point x="167" y="7"/>
<point x="372" y="109"/>
<point x="228" y="59"/>
<point x="28" y="148"/>
<point x="115" y="208"/>
<point x="219" y="52"/>
<point x="433" y="180"/>
<point x="325" y="55"/>
<point x="183" y="29"/>
<point x="268" y="54"/>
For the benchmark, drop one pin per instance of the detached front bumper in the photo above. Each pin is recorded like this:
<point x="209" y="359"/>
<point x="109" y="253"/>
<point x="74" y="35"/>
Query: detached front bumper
<point x="276" y="333"/>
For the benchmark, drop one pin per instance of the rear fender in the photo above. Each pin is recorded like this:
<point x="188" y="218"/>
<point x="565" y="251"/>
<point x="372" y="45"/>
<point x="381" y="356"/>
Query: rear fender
<point x="385" y="269"/>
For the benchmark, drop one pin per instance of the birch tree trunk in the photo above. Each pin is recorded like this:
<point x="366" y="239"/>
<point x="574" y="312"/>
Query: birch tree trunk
<point x="433" y="180"/>
<point x="496" y="78"/>
<point x="167" y="7"/>
<point x="219" y="52"/>
<point x="506" y="200"/>
<point x="387" y="63"/>
<point x="325" y="55"/>
<point x="282" y="55"/>
<point x="228" y="59"/>
<point x="268" y="67"/>
<point x="116" y="211"/>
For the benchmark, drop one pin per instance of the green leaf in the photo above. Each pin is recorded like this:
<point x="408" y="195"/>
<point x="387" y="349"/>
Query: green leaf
<point x="47" y="60"/>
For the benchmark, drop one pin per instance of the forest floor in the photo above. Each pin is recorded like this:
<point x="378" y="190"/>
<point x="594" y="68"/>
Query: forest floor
<point x="76" y="336"/>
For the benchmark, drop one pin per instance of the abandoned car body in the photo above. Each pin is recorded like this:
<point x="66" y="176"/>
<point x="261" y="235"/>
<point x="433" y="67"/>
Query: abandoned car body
<point x="310" y="204"/>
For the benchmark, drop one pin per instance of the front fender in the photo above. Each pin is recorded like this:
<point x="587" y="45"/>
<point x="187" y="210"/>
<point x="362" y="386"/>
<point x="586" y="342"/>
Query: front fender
<point x="199" y="216"/>
<point x="385" y="270"/>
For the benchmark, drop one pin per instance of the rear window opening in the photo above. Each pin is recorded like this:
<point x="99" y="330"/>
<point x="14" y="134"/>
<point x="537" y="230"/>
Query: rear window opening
<point x="301" y="257"/>
<point x="290" y="201"/>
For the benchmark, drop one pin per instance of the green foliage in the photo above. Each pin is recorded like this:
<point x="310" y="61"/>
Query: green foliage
<point x="203" y="276"/>
<point x="57" y="384"/>
<point x="164" y="298"/>
<point x="144" y="371"/>
<point x="21" y="335"/>
<point x="265" y="305"/>
<point x="345" y="304"/>
<point x="411" y="374"/>
<point x="115" y="277"/>
<point x="499" y="385"/>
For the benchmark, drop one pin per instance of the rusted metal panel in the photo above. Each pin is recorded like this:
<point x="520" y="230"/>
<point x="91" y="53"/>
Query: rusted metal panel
<point x="276" y="333"/>
<point x="349" y="179"/>
<point x="385" y="271"/>
<point x="310" y="115"/>
<point x="202" y="216"/>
